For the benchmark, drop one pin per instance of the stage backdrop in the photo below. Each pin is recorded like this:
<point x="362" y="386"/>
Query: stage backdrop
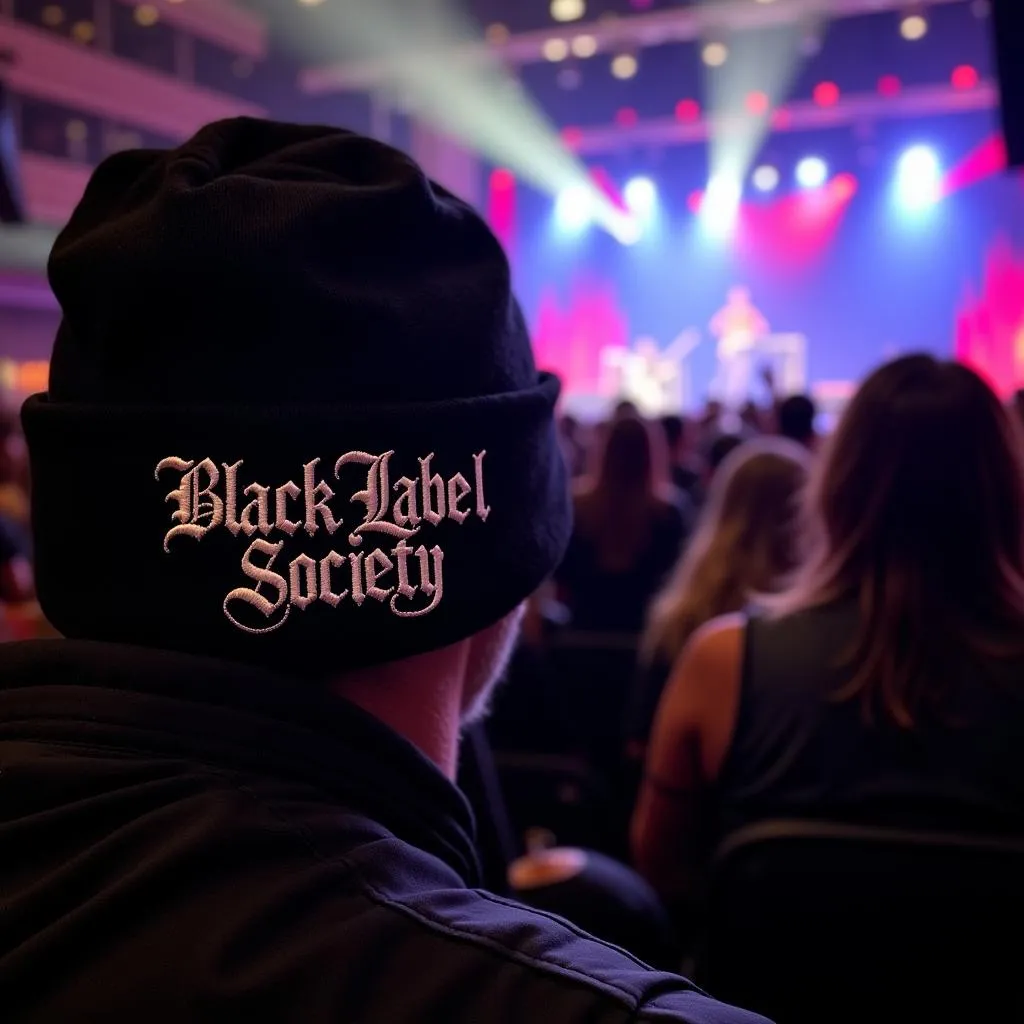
<point x="862" y="278"/>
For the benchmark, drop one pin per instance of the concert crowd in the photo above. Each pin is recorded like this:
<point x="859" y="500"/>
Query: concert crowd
<point x="762" y="719"/>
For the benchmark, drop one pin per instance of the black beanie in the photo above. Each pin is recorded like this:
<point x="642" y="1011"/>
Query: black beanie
<point x="293" y="418"/>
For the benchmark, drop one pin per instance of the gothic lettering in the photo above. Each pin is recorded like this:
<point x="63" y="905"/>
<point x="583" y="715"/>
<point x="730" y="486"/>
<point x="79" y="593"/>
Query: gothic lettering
<point x="407" y="579"/>
<point x="374" y="497"/>
<point x="317" y="496"/>
<point x="200" y="508"/>
<point x="281" y="496"/>
<point x="262" y="574"/>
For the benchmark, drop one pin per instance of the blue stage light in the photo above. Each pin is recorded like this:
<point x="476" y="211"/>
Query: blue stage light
<point x="918" y="178"/>
<point x="811" y="172"/>
<point x="641" y="196"/>
<point x="574" y="208"/>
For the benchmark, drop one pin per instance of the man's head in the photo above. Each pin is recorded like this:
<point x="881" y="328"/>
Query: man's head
<point x="674" y="428"/>
<point x="796" y="419"/>
<point x="294" y="418"/>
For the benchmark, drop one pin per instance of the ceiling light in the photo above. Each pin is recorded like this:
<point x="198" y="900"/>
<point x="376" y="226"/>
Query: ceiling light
<point x="497" y="34"/>
<point x="555" y="50"/>
<point x="715" y="54"/>
<point x="568" y="10"/>
<point x="914" y="27"/>
<point x="584" y="46"/>
<point x="146" y="15"/>
<point x="624" y="65"/>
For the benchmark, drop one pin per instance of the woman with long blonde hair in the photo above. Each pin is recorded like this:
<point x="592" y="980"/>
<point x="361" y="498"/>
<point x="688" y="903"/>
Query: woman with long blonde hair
<point x="886" y="684"/>
<point x="745" y="544"/>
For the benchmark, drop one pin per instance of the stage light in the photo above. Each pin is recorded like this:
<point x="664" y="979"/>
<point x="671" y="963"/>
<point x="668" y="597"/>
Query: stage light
<point x="918" y="178"/>
<point x="572" y="136"/>
<point x="914" y="27"/>
<point x="626" y="117"/>
<point x="641" y="196"/>
<point x="628" y="232"/>
<point x="714" y="54"/>
<point x="890" y="85"/>
<point x="502" y="179"/>
<point x="766" y="178"/>
<point x="574" y="208"/>
<point x="584" y="46"/>
<point x="624" y="65"/>
<point x="568" y="10"/>
<point x="555" y="50"/>
<point x="720" y="205"/>
<point x="811" y="172"/>
<point x="687" y="110"/>
<point x="758" y="103"/>
<point x="965" y="77"/>
<point x="844" y="187"/>
<point x="826" y="94"/>
<point x="497" y="34"/>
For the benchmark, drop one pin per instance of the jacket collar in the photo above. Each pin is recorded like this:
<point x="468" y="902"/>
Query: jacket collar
<point x="236" y="717"/>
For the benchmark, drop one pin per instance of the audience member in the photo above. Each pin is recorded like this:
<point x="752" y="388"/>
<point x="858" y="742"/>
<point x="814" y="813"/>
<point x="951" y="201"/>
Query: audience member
<point x="745" y="545"/>
<point x="13" y="469"/>
<point x="229" y="795"/>
<point x="720" y="449"/>
<point x="573" y="446"/>
<point x="628" y="531"/>
<point x="685" y="469"/>
<point x="16" y="584"/>
<point x="796" y="420"/>
<point x="886" y="686"/>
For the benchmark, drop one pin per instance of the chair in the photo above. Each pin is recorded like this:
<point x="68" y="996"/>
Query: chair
<point x="594" y="671"/>
<point x="828" y="923"/>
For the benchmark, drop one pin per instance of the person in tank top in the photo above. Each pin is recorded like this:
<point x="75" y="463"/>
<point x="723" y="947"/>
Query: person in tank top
<point x="885" y="685"/>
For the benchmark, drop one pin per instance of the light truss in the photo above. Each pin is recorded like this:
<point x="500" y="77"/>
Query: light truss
<point x="855" y="109"/>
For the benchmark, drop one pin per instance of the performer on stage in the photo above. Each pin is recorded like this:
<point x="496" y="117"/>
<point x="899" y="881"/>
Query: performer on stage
<point x="738" y="326"/>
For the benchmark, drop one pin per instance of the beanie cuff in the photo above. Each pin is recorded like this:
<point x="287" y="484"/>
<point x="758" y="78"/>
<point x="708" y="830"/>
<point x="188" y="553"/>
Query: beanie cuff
<point x="311" y="540"/>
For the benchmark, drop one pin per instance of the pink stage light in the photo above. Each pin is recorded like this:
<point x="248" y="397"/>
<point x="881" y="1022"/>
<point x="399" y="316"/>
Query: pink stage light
<point x="758" y="103"/>
<point x="986" y="161"/>
<point x="782" y="119"/>
<point x="889" y="86"/>
<point x="965" y="77"/>
<point x="826" y="94"/>
<point x="572" y="137"/>
<point x="844" y="187"/>
<point x="501" y="207"/>
<point x="626" y="117"/>
<point x="695" y="201"/>
<point x="502" y="179"/>
<point x="687" y="110"/>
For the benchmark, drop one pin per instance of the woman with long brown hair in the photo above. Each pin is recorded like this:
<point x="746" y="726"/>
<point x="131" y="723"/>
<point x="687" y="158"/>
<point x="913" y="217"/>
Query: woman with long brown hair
<point x="744" y="545"/>
<point x="887" y="684"/>
<point x="628" y="530"/>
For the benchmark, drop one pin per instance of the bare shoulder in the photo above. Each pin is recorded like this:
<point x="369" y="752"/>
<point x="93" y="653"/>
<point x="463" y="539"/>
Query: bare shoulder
<point x="705" y="688"/>
<point x="717" y="645"/>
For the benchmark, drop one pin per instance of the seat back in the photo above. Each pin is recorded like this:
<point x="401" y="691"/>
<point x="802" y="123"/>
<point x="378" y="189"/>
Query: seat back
<point x="595" y="672"/>
<point x="819" y="922"/>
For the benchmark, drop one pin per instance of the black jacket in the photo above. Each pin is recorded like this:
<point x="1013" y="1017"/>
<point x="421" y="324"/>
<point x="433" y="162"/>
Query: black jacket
<point x="184" y="840"/>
